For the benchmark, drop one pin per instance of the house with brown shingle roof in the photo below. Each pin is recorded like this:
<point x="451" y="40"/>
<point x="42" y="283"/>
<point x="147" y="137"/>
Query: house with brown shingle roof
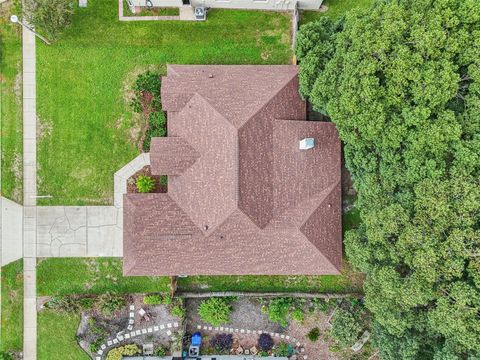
<point x="245" y="194"/>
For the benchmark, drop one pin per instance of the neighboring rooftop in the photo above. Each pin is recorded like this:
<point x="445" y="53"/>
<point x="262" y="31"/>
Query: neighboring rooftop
<point x="243" y="198"/>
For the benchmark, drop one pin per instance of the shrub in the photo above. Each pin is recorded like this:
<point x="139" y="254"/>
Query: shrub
<point x="215" y="311"/>
<point x="313" y="334"/>
<point x="153" y="299"/>
<point x="161" y="351"/>
<point x="145" y="184"/>
<point x="63" y="303"/>
<point x="110" y="302"/>
<point x="179" y="311"/>
<point x="167" y="299"/>
<point x="120" y="352"/>
<point x="156" y="128"/>
<point x="283" y="349"/>
<point x="265" y="342"/>
<point x="50" y="16"/>
<point x="222" y="342"/>
<point x="278" y="310"/>
<point x="345" y="328"/>
<point x="298" y="315"/>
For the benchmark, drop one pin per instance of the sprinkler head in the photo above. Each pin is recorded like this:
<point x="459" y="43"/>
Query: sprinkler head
<point x="14" y="19"/>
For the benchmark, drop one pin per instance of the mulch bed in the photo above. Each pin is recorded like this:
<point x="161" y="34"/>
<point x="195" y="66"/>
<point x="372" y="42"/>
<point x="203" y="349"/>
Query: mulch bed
<point x="132" y="188"/>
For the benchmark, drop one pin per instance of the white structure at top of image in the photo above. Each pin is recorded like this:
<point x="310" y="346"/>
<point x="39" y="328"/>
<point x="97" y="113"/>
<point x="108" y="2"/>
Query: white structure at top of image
<point x="307" y="143"/>
<point x="235" y="4"/>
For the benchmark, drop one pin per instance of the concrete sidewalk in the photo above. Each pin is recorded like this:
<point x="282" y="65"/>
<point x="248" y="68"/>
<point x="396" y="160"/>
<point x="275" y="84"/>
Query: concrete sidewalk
<point x="29" y="197"/>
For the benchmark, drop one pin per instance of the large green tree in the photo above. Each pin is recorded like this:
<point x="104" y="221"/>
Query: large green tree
<point x="402" y="84"/>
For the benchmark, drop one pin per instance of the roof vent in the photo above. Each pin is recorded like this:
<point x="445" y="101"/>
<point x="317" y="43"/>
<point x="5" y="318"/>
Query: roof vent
<point x="307" y="143"/>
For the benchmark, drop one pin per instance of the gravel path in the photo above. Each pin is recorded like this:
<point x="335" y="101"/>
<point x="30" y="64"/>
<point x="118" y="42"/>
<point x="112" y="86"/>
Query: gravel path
<point x="246" y="314"/>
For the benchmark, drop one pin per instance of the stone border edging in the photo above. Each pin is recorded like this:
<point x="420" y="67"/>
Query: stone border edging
<point x="288" y="338"/>
<point x="194" y="295"/>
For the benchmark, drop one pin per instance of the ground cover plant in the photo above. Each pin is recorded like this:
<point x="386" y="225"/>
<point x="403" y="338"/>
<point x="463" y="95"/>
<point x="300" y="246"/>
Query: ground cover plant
<point x="401" y="83"/>
<point x="50" y="17"/>
<point x="216" y="311"/>
<point x="11" y="102"/>
<point x="84" y="82"/>
<point x="65" y="276"/>
<point x="11" y="333"/>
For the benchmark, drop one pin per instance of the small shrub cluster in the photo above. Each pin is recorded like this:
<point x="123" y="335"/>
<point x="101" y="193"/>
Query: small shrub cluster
<point x="157" y="127"/>
<point x="147" y="101"/>
<point x="345" y="328"/>
<point x="265" y="342"/>
<point x="279" y="309"/>
<point x="145" y="184"/>
<point x="152" y="299"/>
<point x="110" y="302"/>
<point x="179" y="311"/>
<point x="119" y="352"/>
<point x="283" y="350"/>
<point x="161" y="351"/>
<point x="215" y="311"/>
<point x="313" y="334"/>
<point x="222" y="343"/>
<point x="70" y="304"/>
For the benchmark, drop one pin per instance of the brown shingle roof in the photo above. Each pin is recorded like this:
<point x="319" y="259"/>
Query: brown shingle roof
<point x="242" y="198"/>
<point x="171" y="155"/>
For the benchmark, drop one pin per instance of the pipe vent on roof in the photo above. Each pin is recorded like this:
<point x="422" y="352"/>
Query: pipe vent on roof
<point x="307" y="143"/>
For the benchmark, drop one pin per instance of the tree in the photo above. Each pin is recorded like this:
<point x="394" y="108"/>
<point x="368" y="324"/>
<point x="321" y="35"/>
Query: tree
<point x="50" y="16"/>
<point x="402" y="85"/>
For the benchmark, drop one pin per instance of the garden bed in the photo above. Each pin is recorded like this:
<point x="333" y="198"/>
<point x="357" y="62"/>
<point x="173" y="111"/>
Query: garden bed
<point x="160" y="181"/>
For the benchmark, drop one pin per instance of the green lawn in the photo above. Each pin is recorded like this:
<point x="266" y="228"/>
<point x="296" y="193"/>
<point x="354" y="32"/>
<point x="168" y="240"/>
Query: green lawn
<point x="63" y="276"/>
<point x="11" y="332"/>
<point x="349" y="282"/>
<point x="87" y="129"/>
<point x="10" y="104"/>
<point x="56" y="336"/>
<point x="336" y="8"/>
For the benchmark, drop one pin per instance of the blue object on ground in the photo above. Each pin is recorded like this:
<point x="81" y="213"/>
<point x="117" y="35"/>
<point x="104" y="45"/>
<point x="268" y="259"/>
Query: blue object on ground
<point x="196" y="339"/>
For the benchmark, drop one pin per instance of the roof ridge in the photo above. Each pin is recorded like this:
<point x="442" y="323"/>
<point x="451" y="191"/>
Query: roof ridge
<point x="327" y="191"/>
<point x="268" y="100"/>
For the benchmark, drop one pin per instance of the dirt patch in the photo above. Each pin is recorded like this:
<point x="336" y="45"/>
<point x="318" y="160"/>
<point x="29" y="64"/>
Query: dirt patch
<point x="159" y="187"/>
<point x="246" y="314"/>
<point x="44" y="128"/>
<point x="318" y="349"/>
<point x="17" y="170"/>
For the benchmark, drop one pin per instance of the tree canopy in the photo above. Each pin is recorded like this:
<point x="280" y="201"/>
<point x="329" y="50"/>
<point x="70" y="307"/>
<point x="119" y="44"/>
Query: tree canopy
<point x="402" y="84"/>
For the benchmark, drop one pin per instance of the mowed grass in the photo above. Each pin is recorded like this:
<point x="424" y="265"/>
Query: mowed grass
<point x="349" y="282"/>
<point x="87" y="128"/>
<point x="65" y="276"/>
<point x="336" y="8"/>
<point x="11" y="332"/>
<point x="10" y="104"/>
<point x="56" y="336"/>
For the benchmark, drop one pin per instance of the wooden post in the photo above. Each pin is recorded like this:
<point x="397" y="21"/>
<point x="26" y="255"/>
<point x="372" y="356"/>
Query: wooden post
<point x="173" y="286"/>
